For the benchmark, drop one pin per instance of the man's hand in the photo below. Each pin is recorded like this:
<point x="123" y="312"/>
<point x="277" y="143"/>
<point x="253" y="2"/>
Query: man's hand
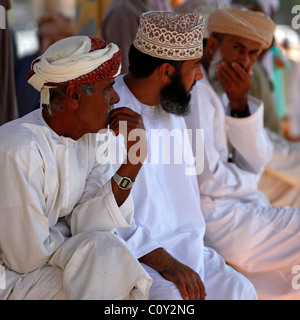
<point x="132" y="127"/>
<point x="187" y="281"/>
<point x="236" y="82"/>
<point x="129" y="123"/>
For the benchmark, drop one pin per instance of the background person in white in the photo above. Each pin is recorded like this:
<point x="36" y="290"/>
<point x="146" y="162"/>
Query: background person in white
<point x="259" y="240"/>
<point x="168" y="230"/>
<point x="59" y="206"/>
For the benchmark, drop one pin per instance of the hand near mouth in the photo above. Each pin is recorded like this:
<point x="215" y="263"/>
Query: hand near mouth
<point x="236" y="82"/>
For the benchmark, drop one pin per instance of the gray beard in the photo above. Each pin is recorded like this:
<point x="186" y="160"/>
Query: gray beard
<point x="212" y="75"/>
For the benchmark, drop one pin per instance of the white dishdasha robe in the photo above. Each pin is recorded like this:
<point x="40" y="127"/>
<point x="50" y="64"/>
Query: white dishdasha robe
<point x="168" y="213"/>
<point x="260" y="241"/>
<point x="52" y="187"/>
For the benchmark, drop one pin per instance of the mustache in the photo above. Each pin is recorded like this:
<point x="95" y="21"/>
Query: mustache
<point x="110" y="108"/>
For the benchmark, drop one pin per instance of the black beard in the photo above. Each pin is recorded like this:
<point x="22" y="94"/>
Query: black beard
<point x="174" y="98"/>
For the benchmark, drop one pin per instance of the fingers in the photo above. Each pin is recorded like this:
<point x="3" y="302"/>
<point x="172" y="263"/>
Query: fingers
<point x="130" y="124"/>
<point x="202" y="290"/>
<point x="234" y="72"/>
<point x="191" y="287"/>
<point x="228" y="74"/>
<point x="124" y="118"/>
<point x="235" y="79"/>
<point x="184" y="291"/>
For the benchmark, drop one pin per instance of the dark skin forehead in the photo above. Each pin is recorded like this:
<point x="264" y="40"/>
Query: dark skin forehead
<point x="243" y="42"/>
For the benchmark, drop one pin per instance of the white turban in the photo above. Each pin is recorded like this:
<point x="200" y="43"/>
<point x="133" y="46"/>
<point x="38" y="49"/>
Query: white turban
<point x="78" y="59"/>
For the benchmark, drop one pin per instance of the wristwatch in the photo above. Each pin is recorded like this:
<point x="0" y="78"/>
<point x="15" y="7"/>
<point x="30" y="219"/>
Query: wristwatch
<point x="123" y="183"/>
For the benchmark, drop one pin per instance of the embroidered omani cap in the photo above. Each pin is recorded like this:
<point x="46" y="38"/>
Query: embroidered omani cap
<point x="170" y="36"/>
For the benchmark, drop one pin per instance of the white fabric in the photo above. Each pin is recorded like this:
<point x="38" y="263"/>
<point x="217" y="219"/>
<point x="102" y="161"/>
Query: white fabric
<point x="66" y="60"/>
<point x="279" y="192"/>
<point x="168" y="213"/>
<point x="215" y="267"/>
<point x="259" y="240"/>
<point x="83" y="254"/>
<point x="49" y="183"/>
<point x="281" y="179"/>
<point x="270" y="6"/>
<point x="285" y="163"/>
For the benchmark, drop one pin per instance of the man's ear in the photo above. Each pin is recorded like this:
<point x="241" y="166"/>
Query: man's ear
<point x="165" y="72"/>
<point x="73" y="94"/>
<point x="212" y="45"/>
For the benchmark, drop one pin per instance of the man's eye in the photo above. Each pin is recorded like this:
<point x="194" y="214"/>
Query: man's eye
<point x="255" y="53"/>
<point x="109" y="88"/>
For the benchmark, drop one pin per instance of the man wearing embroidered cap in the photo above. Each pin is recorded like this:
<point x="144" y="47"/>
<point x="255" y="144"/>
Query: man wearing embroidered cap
<point x="258" y="240"/>
<point x="168" y="229"/>
<point x="59" y="205"/>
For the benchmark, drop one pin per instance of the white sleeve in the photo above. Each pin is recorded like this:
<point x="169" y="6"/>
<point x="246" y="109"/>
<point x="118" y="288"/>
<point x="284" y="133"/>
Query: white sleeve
<point x="26" y="239"/>
<point x="252" y="148"/>
<point x="220" y="177"/>
<point x="101" y="212"/>
<point x="285" y="163"/>
<point x="97" y="208"/>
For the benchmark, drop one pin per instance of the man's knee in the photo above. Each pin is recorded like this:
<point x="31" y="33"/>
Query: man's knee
<point x="95" y="238"/>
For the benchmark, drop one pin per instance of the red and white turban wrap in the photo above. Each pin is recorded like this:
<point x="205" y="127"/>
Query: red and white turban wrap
<point x="74" y="60"/>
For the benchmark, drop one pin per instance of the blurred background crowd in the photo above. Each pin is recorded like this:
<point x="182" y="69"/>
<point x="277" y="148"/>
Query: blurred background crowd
<point x="35" y="24"/>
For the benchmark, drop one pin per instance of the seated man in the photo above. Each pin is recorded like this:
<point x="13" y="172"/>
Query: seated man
<point x="281" y="179"/>
<point x="260" y="241"/>
<point x="168" y="230"/>
<point x="59" y="207"/>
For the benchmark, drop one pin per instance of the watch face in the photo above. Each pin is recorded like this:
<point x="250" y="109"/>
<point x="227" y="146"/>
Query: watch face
<point x="124" y="183"/>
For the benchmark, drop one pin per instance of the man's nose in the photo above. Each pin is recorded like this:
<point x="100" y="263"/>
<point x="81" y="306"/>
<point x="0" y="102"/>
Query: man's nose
<point x="199" y="74"/>
<point x="115" y="97"/>
<point x="244" y="61"/>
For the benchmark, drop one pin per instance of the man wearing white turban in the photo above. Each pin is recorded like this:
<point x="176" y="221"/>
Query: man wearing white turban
<point x="60" y="201"/>
<point x="260" y="241"/>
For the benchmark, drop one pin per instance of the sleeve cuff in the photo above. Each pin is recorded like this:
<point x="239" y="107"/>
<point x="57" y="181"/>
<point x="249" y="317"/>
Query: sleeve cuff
<point x="122" y="216"/>
<point x="101" y="213"/>
<point x="256" y="111"/>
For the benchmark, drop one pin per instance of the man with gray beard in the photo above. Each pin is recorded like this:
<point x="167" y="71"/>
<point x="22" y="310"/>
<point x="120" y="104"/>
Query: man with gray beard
<point x="258" y="240"/>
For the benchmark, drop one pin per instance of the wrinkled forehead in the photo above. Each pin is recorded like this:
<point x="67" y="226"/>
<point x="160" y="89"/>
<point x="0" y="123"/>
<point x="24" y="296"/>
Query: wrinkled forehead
<point x="246" y="43"/>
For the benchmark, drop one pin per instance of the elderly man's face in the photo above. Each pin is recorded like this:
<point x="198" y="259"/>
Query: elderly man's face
<point x="233" y="49"/>
<point x="240" y="50"/>
<point x="94" y="108"/>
